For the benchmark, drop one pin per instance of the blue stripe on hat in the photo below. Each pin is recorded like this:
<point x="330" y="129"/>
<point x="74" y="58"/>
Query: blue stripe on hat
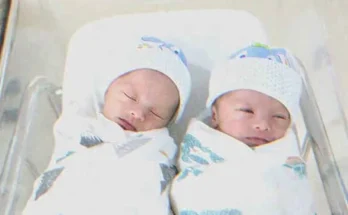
<point x="262" y="51"/>
<point x="169" y="46"/>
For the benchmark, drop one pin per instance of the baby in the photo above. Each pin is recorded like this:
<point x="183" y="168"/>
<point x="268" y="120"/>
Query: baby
<point x="245" y="158"/>
<point x="119" y="158"/>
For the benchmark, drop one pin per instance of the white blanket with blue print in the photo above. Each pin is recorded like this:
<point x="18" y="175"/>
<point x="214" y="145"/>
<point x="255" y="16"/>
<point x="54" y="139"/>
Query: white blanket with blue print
<point x="220" y="175"/>
<point x="108" y="171"/>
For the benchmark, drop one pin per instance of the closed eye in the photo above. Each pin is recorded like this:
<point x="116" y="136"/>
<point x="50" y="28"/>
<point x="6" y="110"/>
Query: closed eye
<point x="130" y="97"/>
<point x="280" y="116"/>
<point x="157" y="115"/>
<point x="246" y="110"/>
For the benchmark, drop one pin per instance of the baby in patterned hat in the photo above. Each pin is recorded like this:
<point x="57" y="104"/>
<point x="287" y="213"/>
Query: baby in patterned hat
<point x="245" y="158"/>
<point x="113" y="152"/>
<point x="255" y="96"/>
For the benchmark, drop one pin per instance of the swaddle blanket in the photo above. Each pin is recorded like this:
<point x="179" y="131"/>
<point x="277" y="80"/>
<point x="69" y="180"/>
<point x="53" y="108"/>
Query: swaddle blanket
<point x="220" y="175"/>
<point x="109" y="171"/>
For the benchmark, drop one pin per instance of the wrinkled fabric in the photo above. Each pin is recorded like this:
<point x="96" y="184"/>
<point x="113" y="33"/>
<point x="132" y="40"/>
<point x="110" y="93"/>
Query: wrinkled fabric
<point x="98" y="168"/>
<point x="220" y="175"/>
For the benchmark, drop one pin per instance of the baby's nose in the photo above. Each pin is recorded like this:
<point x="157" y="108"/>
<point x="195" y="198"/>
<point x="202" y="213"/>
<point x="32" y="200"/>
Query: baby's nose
<point x="262" y="125"/>
<point x="138" y="113"/>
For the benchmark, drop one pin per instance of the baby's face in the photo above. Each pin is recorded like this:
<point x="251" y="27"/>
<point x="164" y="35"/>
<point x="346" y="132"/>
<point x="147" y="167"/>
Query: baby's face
<point x="251" y="117"/>
<point x="141" y="100"/>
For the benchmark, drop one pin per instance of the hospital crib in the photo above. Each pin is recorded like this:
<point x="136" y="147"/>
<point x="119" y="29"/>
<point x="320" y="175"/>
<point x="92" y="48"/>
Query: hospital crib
<point x="30" y="77"/>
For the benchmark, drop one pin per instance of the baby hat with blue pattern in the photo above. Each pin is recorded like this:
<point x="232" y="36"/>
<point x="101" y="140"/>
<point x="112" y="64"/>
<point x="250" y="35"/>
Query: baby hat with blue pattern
<point x="149" y="53"/>
<point x="260" y="68"/>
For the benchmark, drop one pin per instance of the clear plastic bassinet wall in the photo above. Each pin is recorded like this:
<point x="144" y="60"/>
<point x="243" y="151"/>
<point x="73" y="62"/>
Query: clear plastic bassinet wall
<point x="34" y="40"/>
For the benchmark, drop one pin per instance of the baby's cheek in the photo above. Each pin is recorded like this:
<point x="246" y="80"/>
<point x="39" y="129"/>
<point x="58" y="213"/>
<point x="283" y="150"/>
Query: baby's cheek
<point x="112" y="109"/>
<point x="234" y="119"/>
<point x="279" y="133"/>
<point x="230" y="127"/>
<point x="150" y="124"/>
<point x="281" y="124"/>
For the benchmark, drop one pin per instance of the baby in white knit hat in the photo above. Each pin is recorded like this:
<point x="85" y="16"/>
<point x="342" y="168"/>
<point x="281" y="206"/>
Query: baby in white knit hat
<point x="113" y="153"/>
<point x="244" y="159"/>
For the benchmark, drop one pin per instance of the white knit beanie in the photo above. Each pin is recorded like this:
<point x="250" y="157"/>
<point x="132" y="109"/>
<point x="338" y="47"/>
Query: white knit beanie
<point x="147" y="53"/>
<point x="262" y="69"/>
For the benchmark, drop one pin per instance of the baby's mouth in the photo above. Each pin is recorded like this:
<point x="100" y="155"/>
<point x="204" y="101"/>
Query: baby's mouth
<point x="126" y="125"/>
<point x="255" y="141"/>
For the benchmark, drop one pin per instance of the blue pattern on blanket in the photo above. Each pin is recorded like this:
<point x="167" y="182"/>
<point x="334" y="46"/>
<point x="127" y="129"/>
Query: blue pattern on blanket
<point x="298" y="168"/>
<point x="212" y="212"/>
<point x="168" y="173"/>
<point x="194" y="152"/>
<point x="65" y="156"/>
<point x="47" y="181"/>
<point x="194" y="171"/>
<point x="88" y="139"/>
<point x="191" y="146"/>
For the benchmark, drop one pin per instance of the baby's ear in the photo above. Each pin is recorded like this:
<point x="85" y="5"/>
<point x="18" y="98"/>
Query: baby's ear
<point x="214" y="117"/>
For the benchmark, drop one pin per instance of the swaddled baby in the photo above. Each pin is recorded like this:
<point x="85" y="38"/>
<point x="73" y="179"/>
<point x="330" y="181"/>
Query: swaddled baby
<point x="113" y="153"/>
<point x="244" y="158"/>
